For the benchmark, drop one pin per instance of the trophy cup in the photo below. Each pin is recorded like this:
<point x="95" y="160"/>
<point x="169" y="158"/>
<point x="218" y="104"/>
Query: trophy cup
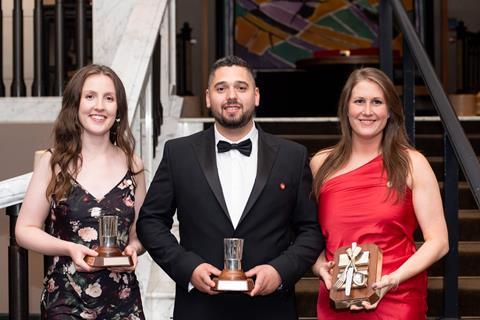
<point x="356" y="268"/>
<point x="232" y="277"/>
<point x="109" y="255"/>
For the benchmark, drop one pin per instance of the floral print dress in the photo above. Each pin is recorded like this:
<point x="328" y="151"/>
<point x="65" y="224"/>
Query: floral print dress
<point x="98" y="295"/>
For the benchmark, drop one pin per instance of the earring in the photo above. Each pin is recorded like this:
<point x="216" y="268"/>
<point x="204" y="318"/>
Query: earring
<point x="117" y="120"/>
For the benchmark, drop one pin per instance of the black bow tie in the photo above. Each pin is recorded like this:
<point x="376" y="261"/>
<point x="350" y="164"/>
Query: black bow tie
<point x="244" y="147"/>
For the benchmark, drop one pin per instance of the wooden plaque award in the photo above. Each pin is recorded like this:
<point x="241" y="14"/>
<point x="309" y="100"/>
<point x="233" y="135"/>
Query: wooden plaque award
<point x="109" y="255"/>
<point x="356" y="268"/>
<point x="232" y="277"/>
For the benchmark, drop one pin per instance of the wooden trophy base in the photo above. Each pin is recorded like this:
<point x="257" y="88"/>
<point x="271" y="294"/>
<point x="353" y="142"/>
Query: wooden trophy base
<point x="233" y="280"/>
<point x="109" y="257"/>
<point x="368" y="262"/>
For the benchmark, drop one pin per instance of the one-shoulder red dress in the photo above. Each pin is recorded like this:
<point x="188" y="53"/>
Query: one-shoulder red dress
<point x="356" y="207"/>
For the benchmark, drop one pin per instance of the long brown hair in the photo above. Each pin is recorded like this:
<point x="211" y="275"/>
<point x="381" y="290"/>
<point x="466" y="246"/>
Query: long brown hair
<point x="66" y="157"/>
<point x="394" y="143"/>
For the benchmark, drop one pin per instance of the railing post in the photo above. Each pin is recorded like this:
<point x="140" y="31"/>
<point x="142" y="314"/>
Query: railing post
<point x="184" y="66"/>
<point x="81" y="34"/>
<point x="18" y="88"/>
<point x="450" y="189"/>
<point x="157" y="112"/>
<point x="385" y="35"/>
<point x="38" y="87"/>
<point x="464" y="151"/>
<point x="17" y="272"/>
<point x="59" y="44"/>
<point x="2" y="85"/>
<point x="409" y="92"/>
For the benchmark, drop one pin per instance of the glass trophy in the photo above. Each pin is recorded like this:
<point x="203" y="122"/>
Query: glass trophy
<point x="109" y="255"/>
<point x="232" y="277"/>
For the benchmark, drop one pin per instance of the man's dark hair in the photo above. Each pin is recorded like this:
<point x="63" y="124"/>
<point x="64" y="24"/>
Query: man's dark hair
<point x="230" y="61"/>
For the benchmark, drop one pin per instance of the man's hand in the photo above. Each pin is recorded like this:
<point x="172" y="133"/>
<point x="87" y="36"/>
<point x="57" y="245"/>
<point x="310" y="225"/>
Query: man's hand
<point x="201" y="278"/>
<point x="268" y="280"/>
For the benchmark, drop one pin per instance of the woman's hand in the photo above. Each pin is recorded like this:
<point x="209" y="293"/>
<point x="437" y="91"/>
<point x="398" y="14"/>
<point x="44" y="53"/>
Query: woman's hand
<point x="387" y="282"/>
<point x="128" y="251"/>
<point x="323" y="270"/>
<point x="78" y="252"/>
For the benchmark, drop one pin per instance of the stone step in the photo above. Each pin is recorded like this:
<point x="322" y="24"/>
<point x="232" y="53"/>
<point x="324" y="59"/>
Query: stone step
<point x="468" y="260"/>
<point x="469" y="295"/>
<point x="469" y="226"/>
<point x="438" y="167"/>
<point x="469" y="221"/>
<point x="465" y="197"/>
<point x="428" y="144"/>
<point x="330" y="125"/>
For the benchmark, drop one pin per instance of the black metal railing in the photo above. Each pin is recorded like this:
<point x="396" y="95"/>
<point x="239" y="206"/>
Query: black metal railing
<point x="157" y="109"/>
<point x="59" y="49"/>
<point x="61" y="44"/>
<point x="458" y="150"/>
<point x="18" y="88"/>
<point x="17" y="271"/>
<point x="38" y="86"/>
<point x="81" y="33"/>
<point x="184" y="61"/>
<point x="470" y="59"/>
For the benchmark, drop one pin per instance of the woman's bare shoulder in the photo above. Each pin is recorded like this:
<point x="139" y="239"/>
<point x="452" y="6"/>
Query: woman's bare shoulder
<point x="418" y="161"/>
<point x="42" y="160"/>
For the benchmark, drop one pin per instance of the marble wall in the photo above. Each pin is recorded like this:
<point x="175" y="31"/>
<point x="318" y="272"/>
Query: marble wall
<point x="124" y="35"/>
<point x="110" y="19"/>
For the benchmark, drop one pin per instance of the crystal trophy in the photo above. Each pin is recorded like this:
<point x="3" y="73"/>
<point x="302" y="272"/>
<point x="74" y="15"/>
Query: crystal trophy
<point x="109" y="255"/>
<point x="232" y="277"/>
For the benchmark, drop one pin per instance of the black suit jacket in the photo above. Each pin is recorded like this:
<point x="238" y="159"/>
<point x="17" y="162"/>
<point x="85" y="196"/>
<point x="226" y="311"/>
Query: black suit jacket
<point x="279" y="224"/>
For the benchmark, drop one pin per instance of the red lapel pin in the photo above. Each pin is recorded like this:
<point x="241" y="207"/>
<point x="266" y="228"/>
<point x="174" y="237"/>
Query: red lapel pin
<point x="282" y="186"/>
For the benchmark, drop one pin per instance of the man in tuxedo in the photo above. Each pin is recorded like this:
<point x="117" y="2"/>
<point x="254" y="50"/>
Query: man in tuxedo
<point x="232" y="180"/>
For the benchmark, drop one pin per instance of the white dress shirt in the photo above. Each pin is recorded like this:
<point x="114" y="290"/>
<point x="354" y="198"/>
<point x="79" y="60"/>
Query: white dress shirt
<point x="237" y="174"/>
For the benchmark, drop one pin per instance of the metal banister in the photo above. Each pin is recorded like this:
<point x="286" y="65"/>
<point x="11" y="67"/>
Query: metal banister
<point x="460" y="144"/>
<point x="457" y="148"/>
<point x="17" y="271"/>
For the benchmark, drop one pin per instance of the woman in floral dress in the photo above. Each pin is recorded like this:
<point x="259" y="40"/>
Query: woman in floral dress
<point x="90" y="172"/>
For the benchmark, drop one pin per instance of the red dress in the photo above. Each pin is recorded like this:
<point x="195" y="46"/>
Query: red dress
<point x="355" y="207"/>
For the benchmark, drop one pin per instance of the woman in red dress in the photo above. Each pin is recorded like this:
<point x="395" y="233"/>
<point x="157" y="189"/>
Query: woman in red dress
<point x="373" y="187"/>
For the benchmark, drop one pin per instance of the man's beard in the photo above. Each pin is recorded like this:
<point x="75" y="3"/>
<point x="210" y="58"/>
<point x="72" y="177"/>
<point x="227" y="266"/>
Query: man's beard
<point x="233" y="123"/>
